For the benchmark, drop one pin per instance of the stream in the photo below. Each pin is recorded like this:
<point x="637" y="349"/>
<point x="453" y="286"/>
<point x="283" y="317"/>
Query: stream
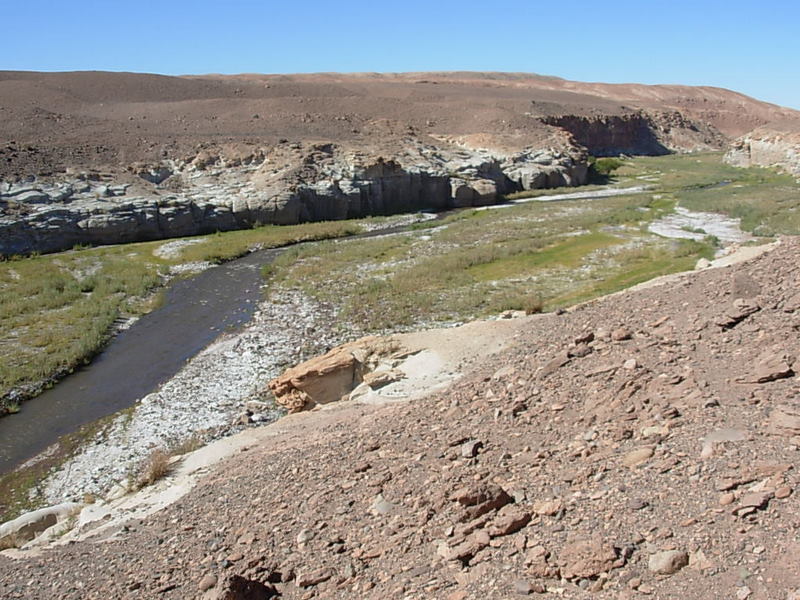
<point x="195" y="312"/>
<point x="137" y="360"/>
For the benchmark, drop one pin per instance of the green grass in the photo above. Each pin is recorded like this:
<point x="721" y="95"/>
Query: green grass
<point x="475" y="264"/>
<point x="57" y="310"/>
<point x="567" y="254"/>
<point x="481" y="262"/>
<point x="634" y="267"/>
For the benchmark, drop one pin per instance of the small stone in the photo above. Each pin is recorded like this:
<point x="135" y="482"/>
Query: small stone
<point x="783" y="492"/>
<point x="726" y="499"/>
<point x="668" y="562"/>
<point x="637" y="504"/>
<point x="305" y="536"/>
<point x="743" y="593"/>
<point x="580" y="351"/>
<point x="630" y="364"/>
<point x="470" y="449"/>
<point x="547" y="507"/>
<point x="381" y="506"/>
<point x="523" y="587"/>
<point x="637" y="457"/>
<point x="208" y="581"/>
<point x="620" y="334"/>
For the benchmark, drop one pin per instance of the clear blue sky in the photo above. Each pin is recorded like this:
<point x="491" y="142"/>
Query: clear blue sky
<point x="746" y="45"/>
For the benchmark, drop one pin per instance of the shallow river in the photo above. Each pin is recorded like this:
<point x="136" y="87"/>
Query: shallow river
<point x="195" y="311"/>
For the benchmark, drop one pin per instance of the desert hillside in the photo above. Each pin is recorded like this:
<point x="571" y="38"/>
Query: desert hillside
<point x="53" y="121"/>
<point x="641" y="445"/>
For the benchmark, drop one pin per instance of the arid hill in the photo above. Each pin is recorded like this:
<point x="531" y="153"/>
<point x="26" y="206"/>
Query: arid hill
<point x="53" y="121"/>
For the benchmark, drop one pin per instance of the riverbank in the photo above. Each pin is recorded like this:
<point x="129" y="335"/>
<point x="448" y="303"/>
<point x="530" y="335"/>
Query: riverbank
<point x="470" y="265"/>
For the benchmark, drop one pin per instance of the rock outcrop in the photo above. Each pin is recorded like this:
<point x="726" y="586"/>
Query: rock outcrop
<point x="287" y="184"/>
<point x="640" y="132"/>
<point x="334" y="375"/>
<point x="772" y="146"/>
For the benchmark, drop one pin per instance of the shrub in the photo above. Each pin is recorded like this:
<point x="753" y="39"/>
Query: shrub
<point x="155" y="467"/>
<point x="606" y="166"/>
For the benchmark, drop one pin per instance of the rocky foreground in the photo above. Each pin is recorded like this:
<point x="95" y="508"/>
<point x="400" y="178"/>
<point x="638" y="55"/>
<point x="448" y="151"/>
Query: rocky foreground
<point x="643" y="445"/>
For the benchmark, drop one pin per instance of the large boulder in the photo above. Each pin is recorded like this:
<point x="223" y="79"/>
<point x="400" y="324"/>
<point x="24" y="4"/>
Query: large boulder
<point x="332" y="376"/>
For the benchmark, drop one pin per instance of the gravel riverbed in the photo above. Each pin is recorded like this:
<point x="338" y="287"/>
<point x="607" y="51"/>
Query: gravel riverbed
<point x="206" y="398"/>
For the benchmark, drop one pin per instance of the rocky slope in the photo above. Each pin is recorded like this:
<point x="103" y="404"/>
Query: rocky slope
<point x="108" y="157"/>
<point x="775" y="145"/>
<point x="640" y="445"/>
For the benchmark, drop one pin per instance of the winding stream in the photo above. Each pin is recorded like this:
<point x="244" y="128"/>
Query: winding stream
<point x="195" y="311"/>
<point x="138" y="360"/>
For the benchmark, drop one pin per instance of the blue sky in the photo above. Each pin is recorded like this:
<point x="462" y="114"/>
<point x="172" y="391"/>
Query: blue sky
<point x="748" y="46"/>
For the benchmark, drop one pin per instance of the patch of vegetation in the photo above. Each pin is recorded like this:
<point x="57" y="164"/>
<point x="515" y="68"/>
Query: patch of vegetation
<point x="766" y="201"/>
<point x="475" y="264"/>
<point x="58" y="310"/>
<point x="602" y="169"/>
<point x="155" y="467"/>
<point x="482" y="262"/>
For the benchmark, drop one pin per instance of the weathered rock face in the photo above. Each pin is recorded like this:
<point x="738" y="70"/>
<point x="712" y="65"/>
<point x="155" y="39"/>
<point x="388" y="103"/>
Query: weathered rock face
<point x="640" y="132"/>
<point x="766" y="147"/>
<point x="332" y="376"/>
<point x="287" y="185"/>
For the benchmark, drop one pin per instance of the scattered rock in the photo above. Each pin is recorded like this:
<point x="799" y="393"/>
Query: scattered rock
<point x="668" y="562"/>
<point x="770" y="366"/>
<point x="470" y="449"/>
<point x="621" y="334"/>
<point x="638" y="456"/>
<point x="588" y="559"/>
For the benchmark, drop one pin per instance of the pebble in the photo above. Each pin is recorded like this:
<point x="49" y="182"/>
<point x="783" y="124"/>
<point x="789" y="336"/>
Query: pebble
<point x="207" y="582"/>
<point x="637" y="457"/>
<point x="668" y="562"/>
<point x="470" y="449"/>
<point x="620" y="334"/>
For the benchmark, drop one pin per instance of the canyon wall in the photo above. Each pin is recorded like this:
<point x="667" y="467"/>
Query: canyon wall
<point x="767" y="147"/>
<point x="284" y="185"/>
<point x="638" y="133"/>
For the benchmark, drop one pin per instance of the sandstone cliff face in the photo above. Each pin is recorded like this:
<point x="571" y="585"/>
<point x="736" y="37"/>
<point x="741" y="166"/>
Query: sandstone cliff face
<point x="640" y="132"/>
<point x="767" y="147"/>
<point x="288" y="184"/>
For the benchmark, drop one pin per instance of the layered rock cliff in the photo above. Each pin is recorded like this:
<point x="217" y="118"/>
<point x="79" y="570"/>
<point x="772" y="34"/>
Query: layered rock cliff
<point x="223" y="189"/>
<point x="771" y="146"/>
<point x="207" y="153"/>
